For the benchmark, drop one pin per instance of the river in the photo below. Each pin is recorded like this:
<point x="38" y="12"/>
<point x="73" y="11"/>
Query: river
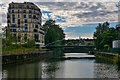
<point x="73" y="68"/>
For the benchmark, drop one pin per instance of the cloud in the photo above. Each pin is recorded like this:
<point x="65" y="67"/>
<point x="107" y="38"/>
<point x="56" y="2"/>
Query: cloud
<point x="79" y="13"/>
<point x="72" y="14"/>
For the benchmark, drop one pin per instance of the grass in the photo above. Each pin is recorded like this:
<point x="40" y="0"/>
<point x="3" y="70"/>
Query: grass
<point x="113" y="59"/>
<point x="116" y="59"/>
<point x="22" y="50"/>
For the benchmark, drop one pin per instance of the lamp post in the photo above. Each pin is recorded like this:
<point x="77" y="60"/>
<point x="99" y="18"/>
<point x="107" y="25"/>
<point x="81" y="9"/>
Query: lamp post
<point x="118" y="29"/>
<point x="118" y="26"/>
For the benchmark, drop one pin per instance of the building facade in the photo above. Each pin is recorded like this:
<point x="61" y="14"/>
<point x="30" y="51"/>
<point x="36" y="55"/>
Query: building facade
<point x="24" y="22"/>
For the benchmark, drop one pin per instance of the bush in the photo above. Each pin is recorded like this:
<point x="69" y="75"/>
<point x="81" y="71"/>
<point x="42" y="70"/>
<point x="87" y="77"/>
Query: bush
<point x="106" y="47"/>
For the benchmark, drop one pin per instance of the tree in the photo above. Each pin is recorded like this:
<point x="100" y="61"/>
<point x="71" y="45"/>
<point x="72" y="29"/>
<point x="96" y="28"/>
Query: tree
<point x="106" y="47"/>
<point x="101" y="28"/>
<point x="9" y="38"/>
<point x="29" y="44"/>
<point x="69" y="43"/>
<point x="106" y="37"/>
<point x="53" y="32"/>
<point x="109" y="36"/>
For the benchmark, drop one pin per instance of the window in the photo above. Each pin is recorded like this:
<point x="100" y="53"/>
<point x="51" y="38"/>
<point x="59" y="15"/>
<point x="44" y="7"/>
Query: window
<point x="8" y="25"/>
<point x="34" y="17"/>
<point x="29" y="16"/>
<point x="36" y="37"/>
<point x="34" y="12"/>
<point x="26" y="25"/>
<point x="36" y="26"/>
<point x="10" y="7"/>
<point x="29" y="11"/>
<point x="12" y="11"/>
<point x="13" y="25"/>
<point x="18" y="21"/>
<point x="13" y="30"/>
<point x="19" y="30"/>
<point x="18" y="25"/>
<point x="20" y="6"/>
<point x="35" y="30"/>
<point x="13" y="35"/>
<point x="35" y="21"/>
<point x="13" y="6"/>
<point x="26" y="30"/>
<point x="18" y="11"/>
<point x="13" y="20"/>
<point x="33" y="25"/>
<point x="25" y="20"/>
<point x="8" y="21"/>
<point x="13" y="16"/>
<point x="24" y="16"/>
<point x="18" y="16"/>
<point x="27" y="7"/>
<point x="9" y="11"/>
<point x="37" y="13"/>
<point x="24" y="11"/>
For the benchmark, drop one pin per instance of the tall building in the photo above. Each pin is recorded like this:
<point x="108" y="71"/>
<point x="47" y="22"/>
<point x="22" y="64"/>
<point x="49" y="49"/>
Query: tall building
<point x="24" y="22"/>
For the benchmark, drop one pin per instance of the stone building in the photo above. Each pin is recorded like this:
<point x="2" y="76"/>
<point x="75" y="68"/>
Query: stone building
<point x="24" y="22"/>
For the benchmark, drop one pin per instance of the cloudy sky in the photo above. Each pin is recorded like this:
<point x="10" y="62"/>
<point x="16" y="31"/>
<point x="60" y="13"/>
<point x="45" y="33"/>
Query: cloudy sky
<point x="76" y="18"/>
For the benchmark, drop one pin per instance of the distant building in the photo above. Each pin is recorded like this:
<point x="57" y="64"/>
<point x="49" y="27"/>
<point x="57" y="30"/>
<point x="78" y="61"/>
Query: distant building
<point x="24" y="22"/>
<point x="88" y="42"/>
<point x="80" y="41"/>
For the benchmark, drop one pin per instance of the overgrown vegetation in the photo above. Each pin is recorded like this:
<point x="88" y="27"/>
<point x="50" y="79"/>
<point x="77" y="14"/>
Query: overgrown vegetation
<point x="104" y="36"/>
<point x="11" y="42"/>
<point x="53" y="33"/>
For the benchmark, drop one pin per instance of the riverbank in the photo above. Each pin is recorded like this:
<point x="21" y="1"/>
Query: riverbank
<point x="28" y="55"/>
<point x="23" y="55"/>
<point x="54" y="68"/>
<point x="22" y="51"/>
<point x="108" y="57"/>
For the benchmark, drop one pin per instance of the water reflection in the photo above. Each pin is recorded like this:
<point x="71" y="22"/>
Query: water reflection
<point x="49" y="68"/>
<point x="83" y="68"/>
<point x="26" y="70"/>
<point x="74" y="68"/>
<point x="106" y="71"/>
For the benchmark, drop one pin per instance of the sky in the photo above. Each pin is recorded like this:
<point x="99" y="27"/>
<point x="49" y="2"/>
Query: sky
<point x="77" y="18"/>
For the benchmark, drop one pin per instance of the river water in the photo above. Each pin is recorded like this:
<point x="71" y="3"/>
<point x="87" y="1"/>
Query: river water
<point x="73" y="68"/>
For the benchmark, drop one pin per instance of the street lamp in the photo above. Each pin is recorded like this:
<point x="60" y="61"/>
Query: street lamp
<point x="118" y="29"/>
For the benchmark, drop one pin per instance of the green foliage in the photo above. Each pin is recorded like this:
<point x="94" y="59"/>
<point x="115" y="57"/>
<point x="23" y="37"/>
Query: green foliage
<point x="89" y="44"/>
<point x="101" y="28"/>
<point x="106" y="47"/>
<point x="29" y="44"/>
<point x="104" y="35"/>
<point x="69" y="43"/>
<point x="10" y="42"/>
<point x="53" y="32"/>
<point x="117" y="59"/>
<point x="9" y="39"/>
